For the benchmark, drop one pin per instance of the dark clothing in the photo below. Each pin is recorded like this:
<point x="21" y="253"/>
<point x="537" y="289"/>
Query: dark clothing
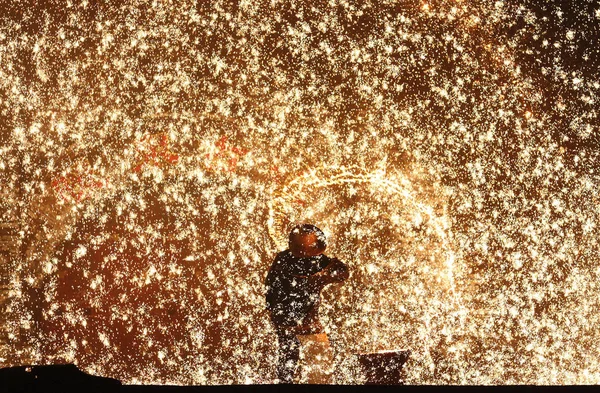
<point x="287" y="355"/>
<point x="294" y="287"/>
<point x="293" y="297"/>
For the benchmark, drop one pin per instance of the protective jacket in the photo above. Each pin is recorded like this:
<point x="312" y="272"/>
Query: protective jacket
<point x="294" y="287"/>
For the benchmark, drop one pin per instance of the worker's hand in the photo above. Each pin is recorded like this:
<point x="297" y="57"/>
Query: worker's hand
<point x="339" y="270"/>
<point x="336" y="271"/>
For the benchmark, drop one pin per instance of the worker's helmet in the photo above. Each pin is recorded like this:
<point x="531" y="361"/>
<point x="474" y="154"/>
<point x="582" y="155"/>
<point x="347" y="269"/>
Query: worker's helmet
<point x="307" y="240"/>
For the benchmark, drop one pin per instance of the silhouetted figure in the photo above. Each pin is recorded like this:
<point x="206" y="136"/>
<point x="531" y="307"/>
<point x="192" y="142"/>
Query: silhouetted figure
<point x="294" y="285"/>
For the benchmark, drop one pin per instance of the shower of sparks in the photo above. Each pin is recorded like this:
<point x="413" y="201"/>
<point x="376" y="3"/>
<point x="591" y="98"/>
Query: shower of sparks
<point x="153" y="155"/>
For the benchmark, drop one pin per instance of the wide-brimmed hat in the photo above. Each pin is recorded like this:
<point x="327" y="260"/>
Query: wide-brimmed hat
<point x="307" y="240"/>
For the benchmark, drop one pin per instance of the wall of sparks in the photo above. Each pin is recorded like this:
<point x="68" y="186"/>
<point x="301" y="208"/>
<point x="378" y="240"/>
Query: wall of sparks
<point x="155" y="153"/>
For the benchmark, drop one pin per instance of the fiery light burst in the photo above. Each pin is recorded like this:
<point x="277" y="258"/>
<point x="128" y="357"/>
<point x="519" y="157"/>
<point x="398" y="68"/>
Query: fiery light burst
<point x="154" y="154"/>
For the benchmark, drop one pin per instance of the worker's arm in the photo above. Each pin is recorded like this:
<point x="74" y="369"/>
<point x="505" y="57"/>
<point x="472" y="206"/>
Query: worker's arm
<point x="335" y="271"/>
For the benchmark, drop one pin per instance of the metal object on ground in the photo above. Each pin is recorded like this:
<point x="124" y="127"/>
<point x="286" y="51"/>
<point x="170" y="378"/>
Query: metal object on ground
<point x="383" y="367"/>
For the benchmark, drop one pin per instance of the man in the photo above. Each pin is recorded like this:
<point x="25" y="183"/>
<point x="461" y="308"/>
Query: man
<point x="294" y="285"/>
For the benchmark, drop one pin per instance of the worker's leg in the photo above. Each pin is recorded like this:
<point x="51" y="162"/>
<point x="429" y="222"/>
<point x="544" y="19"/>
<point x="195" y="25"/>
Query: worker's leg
<point x="289" y="353"/>
<point x="316" y="359"/>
